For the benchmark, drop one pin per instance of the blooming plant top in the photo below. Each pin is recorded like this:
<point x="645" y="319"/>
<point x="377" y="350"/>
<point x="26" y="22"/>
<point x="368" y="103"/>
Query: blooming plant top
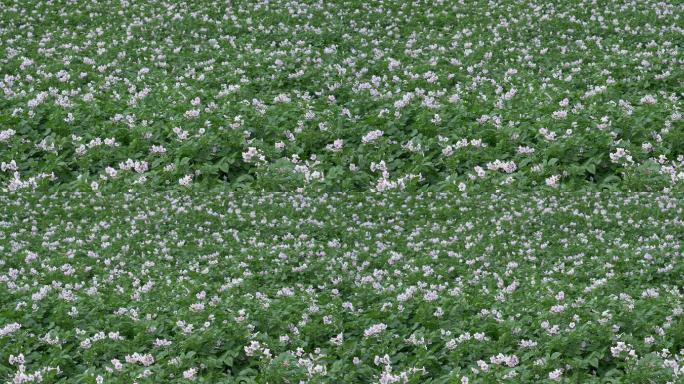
<point x="341" y="288"/>
<point x="281" y="95"/>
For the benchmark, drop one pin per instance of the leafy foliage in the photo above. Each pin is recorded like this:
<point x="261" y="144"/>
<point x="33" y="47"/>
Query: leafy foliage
<point x="282" y="95"/>
<point x="331" y="288"/>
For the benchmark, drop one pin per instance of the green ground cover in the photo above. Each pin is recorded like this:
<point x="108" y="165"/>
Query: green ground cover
<point x="342" y="288"/>
<point x="341" y="95"/>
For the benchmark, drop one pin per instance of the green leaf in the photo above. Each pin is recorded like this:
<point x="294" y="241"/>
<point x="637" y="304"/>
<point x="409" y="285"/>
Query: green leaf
<point x="593" y="361"/>
<point x="591" y="168"/>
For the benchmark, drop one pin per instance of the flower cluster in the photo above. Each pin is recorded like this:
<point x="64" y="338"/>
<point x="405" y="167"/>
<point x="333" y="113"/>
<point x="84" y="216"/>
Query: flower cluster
<point x="508" y="94"/>
<point x="162" y="287"/>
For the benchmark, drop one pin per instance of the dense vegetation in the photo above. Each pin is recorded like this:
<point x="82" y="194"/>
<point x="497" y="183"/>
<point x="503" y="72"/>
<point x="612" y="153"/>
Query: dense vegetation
<point x="284" y="288"/>
<point x="144" y="145"/>
<point x="341" y="95"/>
